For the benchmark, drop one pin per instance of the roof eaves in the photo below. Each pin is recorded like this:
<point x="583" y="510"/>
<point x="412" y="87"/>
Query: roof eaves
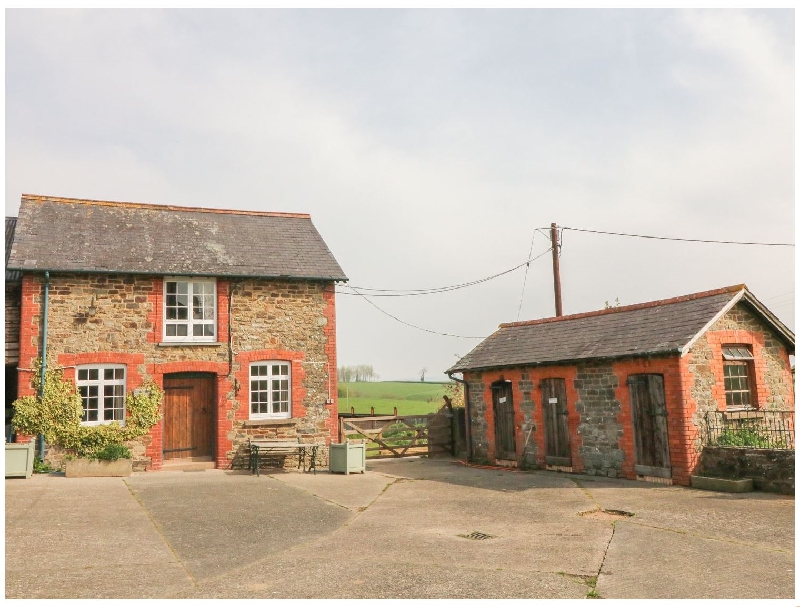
<point x="209" y="274"/>
<point x="781" y="329"/>
<point x="565" y="361"/>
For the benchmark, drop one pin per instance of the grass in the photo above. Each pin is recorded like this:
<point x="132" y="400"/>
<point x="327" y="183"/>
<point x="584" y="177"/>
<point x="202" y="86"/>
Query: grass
<point x="410" y="398"/>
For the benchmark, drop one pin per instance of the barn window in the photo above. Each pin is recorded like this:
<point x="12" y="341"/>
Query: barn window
<point x="738" y="371"/>
<point x="102" y="390"/>
<point x="190" y="310"/>
<point x="270" y="389"/>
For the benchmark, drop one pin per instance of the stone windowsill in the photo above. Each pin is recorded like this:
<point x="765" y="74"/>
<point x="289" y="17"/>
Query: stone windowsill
<point x="258" y="423"/>
<point x="189" y="344"/>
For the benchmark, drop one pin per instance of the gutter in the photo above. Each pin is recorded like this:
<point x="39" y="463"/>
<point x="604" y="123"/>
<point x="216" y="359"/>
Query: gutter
<point x="467" y="424"/>
<point x="184" y="273"/>
<point x="44" y="352"/>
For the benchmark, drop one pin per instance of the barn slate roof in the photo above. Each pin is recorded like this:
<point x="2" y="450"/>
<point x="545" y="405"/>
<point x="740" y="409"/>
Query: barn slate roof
<point x="11" y="224"/>
<point x="75" y="235"/>
<point x="655" y="328"/>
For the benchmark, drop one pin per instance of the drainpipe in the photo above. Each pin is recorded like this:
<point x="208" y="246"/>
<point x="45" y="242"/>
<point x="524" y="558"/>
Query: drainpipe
<point x="44" y="352"/>
<point x="467" y="424"/>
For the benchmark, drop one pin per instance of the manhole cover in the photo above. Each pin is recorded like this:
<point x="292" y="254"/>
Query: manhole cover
<point x="476" y="535"/>
<point x="606" y="515"/>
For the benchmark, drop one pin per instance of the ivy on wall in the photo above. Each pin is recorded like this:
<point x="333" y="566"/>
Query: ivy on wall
<point x="57" y="413"/>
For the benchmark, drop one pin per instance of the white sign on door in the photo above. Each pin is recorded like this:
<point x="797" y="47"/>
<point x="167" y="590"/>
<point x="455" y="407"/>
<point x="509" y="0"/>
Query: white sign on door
<point x="553" y="401"/>
<point x="502" y="400"/>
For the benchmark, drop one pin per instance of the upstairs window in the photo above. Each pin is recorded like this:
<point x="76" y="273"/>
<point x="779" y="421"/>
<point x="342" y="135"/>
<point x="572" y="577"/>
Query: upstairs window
<point x="102" y="390"/>
<point x="270" y="389"/>
<point x="190" y="310"/>
<point x="738" y="371"/>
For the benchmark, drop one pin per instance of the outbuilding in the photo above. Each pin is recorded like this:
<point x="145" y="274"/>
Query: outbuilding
<point x="626" y="391"/>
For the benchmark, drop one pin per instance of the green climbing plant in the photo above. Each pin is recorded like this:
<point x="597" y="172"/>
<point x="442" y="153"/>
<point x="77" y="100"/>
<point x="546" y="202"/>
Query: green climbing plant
<point x="57" y="413"/>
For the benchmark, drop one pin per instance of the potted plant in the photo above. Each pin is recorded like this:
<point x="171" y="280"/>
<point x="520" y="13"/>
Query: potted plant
<point x="112" y="460"/>
<point x="348" y="457"/>
<point x="19" y="459"/>
<point x="57" y="412"/>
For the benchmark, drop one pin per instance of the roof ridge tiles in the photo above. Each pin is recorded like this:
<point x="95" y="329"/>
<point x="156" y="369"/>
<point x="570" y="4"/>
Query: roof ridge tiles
<point x="616" y="310"/>
<point x="160" y="207"/>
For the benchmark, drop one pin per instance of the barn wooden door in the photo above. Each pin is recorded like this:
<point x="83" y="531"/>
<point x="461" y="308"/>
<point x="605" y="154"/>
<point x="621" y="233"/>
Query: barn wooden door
<point x="188" y="415"/>
<point x="556" y="429"/>
<point x="650" y="435"/>
<point x="505" y="444"/>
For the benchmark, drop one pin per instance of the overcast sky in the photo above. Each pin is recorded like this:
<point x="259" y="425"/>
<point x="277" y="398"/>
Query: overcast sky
<point x="428" y="145"/>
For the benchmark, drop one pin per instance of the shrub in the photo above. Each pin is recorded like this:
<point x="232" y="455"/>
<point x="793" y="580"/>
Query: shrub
<point x="57" y="415"/>
<point x="113" y="452"/>
<point x="748" y="435"/>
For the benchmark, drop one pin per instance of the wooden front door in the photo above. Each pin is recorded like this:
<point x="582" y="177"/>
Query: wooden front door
<point x="505" y="444"/>
<point x="651" y="440"/>
<point x="188" y="415"/>
<point x="556" y="429"/>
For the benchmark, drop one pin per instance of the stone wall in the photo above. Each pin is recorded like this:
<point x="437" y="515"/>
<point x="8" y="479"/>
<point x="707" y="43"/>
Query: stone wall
<point x="771" y="469"/>
<point x="599" y="427"/>
<point x="118" y="319"/>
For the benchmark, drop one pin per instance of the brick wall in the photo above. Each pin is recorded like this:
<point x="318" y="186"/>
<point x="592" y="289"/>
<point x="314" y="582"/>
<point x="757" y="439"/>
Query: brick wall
<point x="256" y="320"/>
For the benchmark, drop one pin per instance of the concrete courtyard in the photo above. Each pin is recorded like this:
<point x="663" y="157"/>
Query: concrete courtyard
<point x="399" y="531"/>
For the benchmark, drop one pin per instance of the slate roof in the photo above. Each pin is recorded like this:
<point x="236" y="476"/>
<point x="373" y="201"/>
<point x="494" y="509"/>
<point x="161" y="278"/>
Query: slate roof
<point x="11" y="223"/>
<point x="658" y="327"/>
<point x="72" y="235"/>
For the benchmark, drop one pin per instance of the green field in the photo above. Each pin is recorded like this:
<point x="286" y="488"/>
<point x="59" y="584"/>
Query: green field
<point x="410" y="398"/>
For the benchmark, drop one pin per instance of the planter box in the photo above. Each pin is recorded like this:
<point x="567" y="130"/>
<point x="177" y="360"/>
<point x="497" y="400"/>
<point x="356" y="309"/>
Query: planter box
<point x="79" y="468"/>
<point x="742" y="485"/>
<point x="19" y="459"/>
<point x="347" y="457"/>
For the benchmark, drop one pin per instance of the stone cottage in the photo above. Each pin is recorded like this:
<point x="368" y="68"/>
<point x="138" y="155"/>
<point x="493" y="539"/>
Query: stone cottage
<point x="624" y="392"/>
<point x="232" y="313"/>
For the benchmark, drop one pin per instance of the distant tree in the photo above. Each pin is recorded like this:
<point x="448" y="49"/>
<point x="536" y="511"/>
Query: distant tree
<point x="610" y="305"/>
<point x="422" y="373"/>
<point x="357" y="373"/>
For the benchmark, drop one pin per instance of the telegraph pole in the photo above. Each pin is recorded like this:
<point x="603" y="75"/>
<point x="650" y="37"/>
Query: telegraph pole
<point x="556" y="271"/>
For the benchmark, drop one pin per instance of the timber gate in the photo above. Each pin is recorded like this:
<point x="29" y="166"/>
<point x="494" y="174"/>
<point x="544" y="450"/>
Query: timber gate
<point x="400" y="435"/>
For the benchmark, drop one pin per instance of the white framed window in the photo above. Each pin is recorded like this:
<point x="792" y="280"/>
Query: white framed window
<point x="102" y="390"/>
<point x="190" y="309"/>
<point x="270" y="389"/>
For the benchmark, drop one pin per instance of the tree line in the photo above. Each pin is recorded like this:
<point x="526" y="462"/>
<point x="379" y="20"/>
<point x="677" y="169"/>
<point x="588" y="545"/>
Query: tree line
<point x="357" y="373"/>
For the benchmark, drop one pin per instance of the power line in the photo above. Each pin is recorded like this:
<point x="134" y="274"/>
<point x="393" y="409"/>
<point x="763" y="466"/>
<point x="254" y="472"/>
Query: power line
<point x="433" y="290"/>
<point x="762" y="244"/>
<point x="525" y="280"/>
<point x="408" y="324"/>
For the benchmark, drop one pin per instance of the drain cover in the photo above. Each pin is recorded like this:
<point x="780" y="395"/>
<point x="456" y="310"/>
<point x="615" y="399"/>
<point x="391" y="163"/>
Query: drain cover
<point x="476" y="535"/>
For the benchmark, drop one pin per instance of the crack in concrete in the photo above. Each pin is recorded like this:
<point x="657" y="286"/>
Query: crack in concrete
<point x="160" y="530"/>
